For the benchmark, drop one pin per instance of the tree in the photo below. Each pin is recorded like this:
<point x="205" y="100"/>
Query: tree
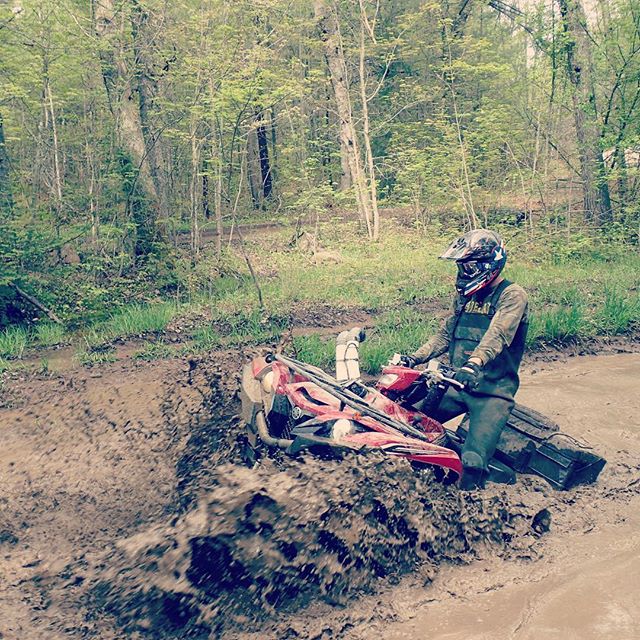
<point x="334" y="54"/>
<point x="6" y="192"/>
<point x="125" y="100"/>
<point x="580" y="71"/>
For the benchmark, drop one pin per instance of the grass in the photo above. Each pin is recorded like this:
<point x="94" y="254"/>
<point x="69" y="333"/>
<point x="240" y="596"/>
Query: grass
<point x="206" y="339"/>
<point x="397" y="332"/>
<point x="135" y="320"/>
<point x="49" y="334"/>
<point x="619" y="312"/>
<point x="92" y="356"/>
<point x="573" y="295"/>
<point x="155" y="351"/>
<point x="13" y="342"/>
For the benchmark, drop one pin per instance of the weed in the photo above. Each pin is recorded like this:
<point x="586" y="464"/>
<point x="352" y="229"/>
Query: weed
<point x="93" y="356"/>
<point x="13" y="342"/>
<point x="559" y="323"/>
<point x="49" y="334"/>
<point x="155" y="351"/>
<point x="317" y="350"/>
<point x="401" y="331"/>
<point x="206" y="339"/>
<point x="138" y="319"/>
<point x="618" y="313"/>
<point x="135" y="320"/>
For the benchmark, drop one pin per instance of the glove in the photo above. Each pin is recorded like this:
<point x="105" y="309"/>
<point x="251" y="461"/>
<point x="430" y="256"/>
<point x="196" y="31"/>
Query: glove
<point x="468" y="375"/>
<point x="408" y="361"/>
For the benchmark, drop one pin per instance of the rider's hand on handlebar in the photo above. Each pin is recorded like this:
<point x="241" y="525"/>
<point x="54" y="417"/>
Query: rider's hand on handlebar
<point x="408" y="361"/>
<point x="468" y="375"/>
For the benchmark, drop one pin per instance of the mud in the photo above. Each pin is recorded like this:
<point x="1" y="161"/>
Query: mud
<point x="126" y="514"/>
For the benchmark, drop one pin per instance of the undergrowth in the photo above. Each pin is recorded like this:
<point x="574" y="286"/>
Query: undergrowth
<point x="576" y="290"/>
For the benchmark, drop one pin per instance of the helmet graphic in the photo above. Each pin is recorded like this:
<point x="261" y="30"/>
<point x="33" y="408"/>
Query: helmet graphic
<point x="480" y="256"/>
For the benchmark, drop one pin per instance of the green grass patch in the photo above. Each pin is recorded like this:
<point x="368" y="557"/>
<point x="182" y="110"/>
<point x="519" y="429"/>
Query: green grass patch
<point x="619" y="313"/>
<point x="13" y="342"/>
<point x="135" y="320"/>
<point x="49" y="334"/>
<point x="95" y="355"/>
<point x="155" y="351"/>
<point x="206" y="339"/>
<point x="401" y="331"/>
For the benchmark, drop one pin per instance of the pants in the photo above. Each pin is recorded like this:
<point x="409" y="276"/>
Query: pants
<point x="488" y="416"/>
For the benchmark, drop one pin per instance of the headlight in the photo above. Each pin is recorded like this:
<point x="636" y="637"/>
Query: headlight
<point x="342" y="428"/>
<point x="387" y="380"/>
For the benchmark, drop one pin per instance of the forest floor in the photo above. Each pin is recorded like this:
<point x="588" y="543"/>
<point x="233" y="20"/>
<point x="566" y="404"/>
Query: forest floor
<point x="127" y="514"/>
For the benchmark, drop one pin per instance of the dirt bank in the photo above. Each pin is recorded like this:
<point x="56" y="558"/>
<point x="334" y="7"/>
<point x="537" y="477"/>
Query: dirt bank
<point x="125" y="514"/>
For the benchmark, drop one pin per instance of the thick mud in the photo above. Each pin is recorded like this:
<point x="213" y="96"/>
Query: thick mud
<point x="126" y="514"/>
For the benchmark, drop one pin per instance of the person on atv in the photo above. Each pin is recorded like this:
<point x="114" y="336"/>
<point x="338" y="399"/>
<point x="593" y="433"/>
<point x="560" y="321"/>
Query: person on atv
<point x="485" y="339"/>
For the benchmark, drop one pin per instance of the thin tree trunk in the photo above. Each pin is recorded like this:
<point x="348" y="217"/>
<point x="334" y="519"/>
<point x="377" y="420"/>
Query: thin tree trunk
<point x="263" y="155"/>
<point x="595" y="190"/>
<point x="194" y="191"/>
<point x="126" y="110"/>
<point x="373" y="188"/>
<point x="6" y="192"/>
<point x="334" y="55"/>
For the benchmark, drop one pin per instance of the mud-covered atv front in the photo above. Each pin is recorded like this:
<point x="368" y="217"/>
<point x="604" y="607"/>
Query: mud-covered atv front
<point x="294" y="406"/>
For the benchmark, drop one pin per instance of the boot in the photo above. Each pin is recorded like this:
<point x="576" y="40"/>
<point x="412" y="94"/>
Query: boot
<point x="474" y="474"/>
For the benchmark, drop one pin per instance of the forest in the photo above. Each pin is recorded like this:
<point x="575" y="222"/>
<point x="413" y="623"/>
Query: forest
<point x="145" y="144"/>
<point x="221" y="224"/>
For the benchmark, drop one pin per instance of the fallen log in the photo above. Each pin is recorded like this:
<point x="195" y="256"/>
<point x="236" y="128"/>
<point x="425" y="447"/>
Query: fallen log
<point x="36" y="303"/>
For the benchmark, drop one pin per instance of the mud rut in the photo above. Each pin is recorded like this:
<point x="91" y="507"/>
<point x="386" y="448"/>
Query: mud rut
<point x="126" y="513"/>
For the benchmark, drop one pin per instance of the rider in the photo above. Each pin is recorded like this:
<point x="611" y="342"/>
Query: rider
<point x="485" y="338"/>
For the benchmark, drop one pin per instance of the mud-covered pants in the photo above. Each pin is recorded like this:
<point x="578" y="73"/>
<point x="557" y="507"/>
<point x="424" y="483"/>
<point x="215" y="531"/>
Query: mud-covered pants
<point x="488" y="416"/>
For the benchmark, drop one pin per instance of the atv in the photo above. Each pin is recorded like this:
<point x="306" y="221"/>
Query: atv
<point x="295" y="407"/>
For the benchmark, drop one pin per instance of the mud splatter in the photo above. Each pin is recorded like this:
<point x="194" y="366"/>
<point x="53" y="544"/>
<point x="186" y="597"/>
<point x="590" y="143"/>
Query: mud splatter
<point x="268" y="541"/>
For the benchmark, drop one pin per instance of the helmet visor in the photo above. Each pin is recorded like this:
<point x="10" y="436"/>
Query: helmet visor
<point x="469" y="269"/>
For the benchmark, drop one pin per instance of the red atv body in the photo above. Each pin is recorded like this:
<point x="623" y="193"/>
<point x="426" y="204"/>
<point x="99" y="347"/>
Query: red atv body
<point x="295" y="406"/>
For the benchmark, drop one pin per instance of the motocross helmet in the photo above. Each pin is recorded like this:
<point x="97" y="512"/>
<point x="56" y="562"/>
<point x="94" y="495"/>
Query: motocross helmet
<point x="480" y="256"/>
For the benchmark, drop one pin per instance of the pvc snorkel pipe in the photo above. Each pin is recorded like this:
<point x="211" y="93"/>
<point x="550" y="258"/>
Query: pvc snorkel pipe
<point x="347" y="355"/>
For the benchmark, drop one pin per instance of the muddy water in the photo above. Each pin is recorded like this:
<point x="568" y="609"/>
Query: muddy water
<point x="586" y="585"/>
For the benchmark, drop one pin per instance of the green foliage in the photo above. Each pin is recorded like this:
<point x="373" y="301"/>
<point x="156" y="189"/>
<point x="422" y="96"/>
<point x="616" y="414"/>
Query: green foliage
<point x="619" y="313"/>
<point x="49" y="334"/>
<point x="155" y="351"/>
<point x="13" y="342"/>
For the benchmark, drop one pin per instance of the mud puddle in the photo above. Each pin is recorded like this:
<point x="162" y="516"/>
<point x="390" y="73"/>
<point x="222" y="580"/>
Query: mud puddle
<point x="126" y="514"/>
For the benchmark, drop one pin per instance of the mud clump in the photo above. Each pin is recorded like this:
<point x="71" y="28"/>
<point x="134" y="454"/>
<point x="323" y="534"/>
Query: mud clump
<point x="270" y="540"/>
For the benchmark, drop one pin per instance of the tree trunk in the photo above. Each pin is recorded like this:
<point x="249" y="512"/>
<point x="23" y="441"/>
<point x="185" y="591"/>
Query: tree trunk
<point x="143" y="198"/>
<point x="595" y="190"/>
<point x="6" y="192"/>
<point x="254" y="172"/>
<point x="366" y="135"/>
<point x="146" y="88"/>
<point x="263" y="154"/>
<point x="334" y="55"/>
